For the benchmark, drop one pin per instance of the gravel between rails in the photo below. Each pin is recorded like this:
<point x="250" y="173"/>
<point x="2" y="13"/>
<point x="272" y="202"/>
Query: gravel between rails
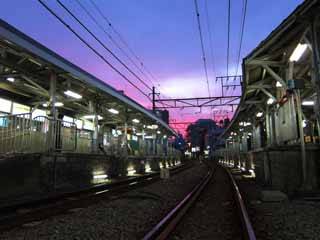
<point x="214" y="215"/>
<point x="127" y="216"/>
<point x="286" y="220"/>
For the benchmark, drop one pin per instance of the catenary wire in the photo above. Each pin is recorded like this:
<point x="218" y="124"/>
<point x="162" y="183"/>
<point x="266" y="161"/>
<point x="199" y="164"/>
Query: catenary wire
<point x="101" y="43"/>
<point x="202" y="46"/>
<point x="90" y="47"/>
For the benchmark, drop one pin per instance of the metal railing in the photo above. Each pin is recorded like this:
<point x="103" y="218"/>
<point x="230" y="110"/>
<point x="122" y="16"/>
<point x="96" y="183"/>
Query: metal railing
<point x="15" y="133"/>
<point x="22" y="134"/>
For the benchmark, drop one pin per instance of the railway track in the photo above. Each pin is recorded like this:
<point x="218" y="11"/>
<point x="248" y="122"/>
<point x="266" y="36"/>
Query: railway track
<point x="39" y="209"/>
<point x="214" y="209"/>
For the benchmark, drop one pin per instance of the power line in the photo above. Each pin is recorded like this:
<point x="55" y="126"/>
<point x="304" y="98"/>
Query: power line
<point x="90" y="47"/>
<point x="243" y="20"/>
<point x="102" y="44"/>
<point x="120" y="37"/>
<point x="202" y="46"/>
<point x="210" y="37"/>
<point x="124" y="42"/>
<point x="228" y="47"/>
<point x="110" y="37"/>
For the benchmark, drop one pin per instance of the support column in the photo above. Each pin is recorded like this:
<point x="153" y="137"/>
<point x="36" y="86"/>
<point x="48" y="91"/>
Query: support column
<point x="269" y="135"/>
<point x="53" y="112"/>
<point x="316" y="67"/>
<point x="93" y="111"/>
<point x="301" y="132"/>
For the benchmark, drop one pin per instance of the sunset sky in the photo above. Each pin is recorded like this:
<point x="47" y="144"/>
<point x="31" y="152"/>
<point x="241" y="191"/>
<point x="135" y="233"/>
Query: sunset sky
<point x="163" y="33"/>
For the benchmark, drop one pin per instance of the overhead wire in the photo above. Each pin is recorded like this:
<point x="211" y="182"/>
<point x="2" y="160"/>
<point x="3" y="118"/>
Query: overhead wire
<point x="124" y="42"/>
<point x="101" y="43"/>
<point x="202" y="46"/>
<point x="152" y="80"/>
<point x="92" y="17"/>
<point x="210" y="38"/>
<point x="243" y="21"/>
<point x="90" y="47"/>
<point x="228" y="46"/>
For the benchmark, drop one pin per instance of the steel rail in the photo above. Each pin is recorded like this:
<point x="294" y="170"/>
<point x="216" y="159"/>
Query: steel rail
<point x="163" y="229"/>
<point x="247" y="229"/>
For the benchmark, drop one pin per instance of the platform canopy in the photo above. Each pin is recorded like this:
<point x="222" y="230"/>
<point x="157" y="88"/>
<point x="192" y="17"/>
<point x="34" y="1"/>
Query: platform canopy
<point x="26" y="67"/>
<point x="283" y="61"/>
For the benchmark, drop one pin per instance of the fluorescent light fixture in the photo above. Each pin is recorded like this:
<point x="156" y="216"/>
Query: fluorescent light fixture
<point x="246" y="124"/>
<point x="135" y="120"/>
<point x="298" y="52"/>
<point x="164" y="136"/>
<point x="158" y="132"/>
<point x="101" y="176"/>
<point x="57" y="104"/>
<point x="72" y="94"/>
<point x="148" y="137"/>
<point x="250" y="134"/>
<point x="259" y="114"/>
<point x="278" y="84"/>
<point x="241" y="123"/>
<point x="152" y="126"/>
<point x="114" y="111"/>
<point x="308" y="103"/>
<point x="92" y="117"/>
<point x="270" y="101"/>
<point x="10" y="79"/>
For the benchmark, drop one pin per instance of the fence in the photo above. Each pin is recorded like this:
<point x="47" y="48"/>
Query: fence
<point x="22" y="134"/>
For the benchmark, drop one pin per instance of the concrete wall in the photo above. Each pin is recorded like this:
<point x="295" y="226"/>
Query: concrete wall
<point x="30" y="174"/>
<point x="281" y="168"/>
<point x="19" y="174"/>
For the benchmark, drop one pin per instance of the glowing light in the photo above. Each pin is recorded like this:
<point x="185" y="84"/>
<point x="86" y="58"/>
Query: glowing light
<point x="308" y="103"/>
<point x="158" y="132"/>
<point x="92" y="117"/>
<point x="131" y="171"/>
<point x="152" y="126"/>
<point x="278" y="84"/>
<point x="100" y="176"/>
<point x="10" y="79"/>
<point x="298" y="52"/>
<point x="57" y="104"/>
<point x="72" y="94"/>
<point x="304" y="123"/>
<point x="270" y="101"/>
<point x="259" y="114"/>
<point x="135" y="120"/>
<point x="114" y="111"/>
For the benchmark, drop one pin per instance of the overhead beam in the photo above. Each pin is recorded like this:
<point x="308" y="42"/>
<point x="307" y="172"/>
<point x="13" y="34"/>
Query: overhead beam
<point x="275" y="75"/>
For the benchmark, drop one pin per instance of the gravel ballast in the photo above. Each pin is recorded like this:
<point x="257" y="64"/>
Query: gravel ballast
<point x="127" y="216"/>
<point x="214" y="215"/>
<point x="286" y="220"/>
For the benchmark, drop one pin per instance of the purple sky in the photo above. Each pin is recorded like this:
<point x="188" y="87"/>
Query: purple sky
<point x="163" y="33"/>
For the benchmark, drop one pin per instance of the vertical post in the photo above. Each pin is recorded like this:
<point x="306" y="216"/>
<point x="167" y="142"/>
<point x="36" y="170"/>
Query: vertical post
<point x="93" y="110"/>
<point x="53" y="112"/>
<point x="316" y="67"/>
<point x="53" y="126"/>
<point x="268" y="127"/>
<point x="302" y="143"/>
<point x="154" y="144"/>
<point x="153" y="99"/>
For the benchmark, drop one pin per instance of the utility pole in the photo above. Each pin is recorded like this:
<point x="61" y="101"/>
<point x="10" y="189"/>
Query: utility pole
<point x="153" y="99"/>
